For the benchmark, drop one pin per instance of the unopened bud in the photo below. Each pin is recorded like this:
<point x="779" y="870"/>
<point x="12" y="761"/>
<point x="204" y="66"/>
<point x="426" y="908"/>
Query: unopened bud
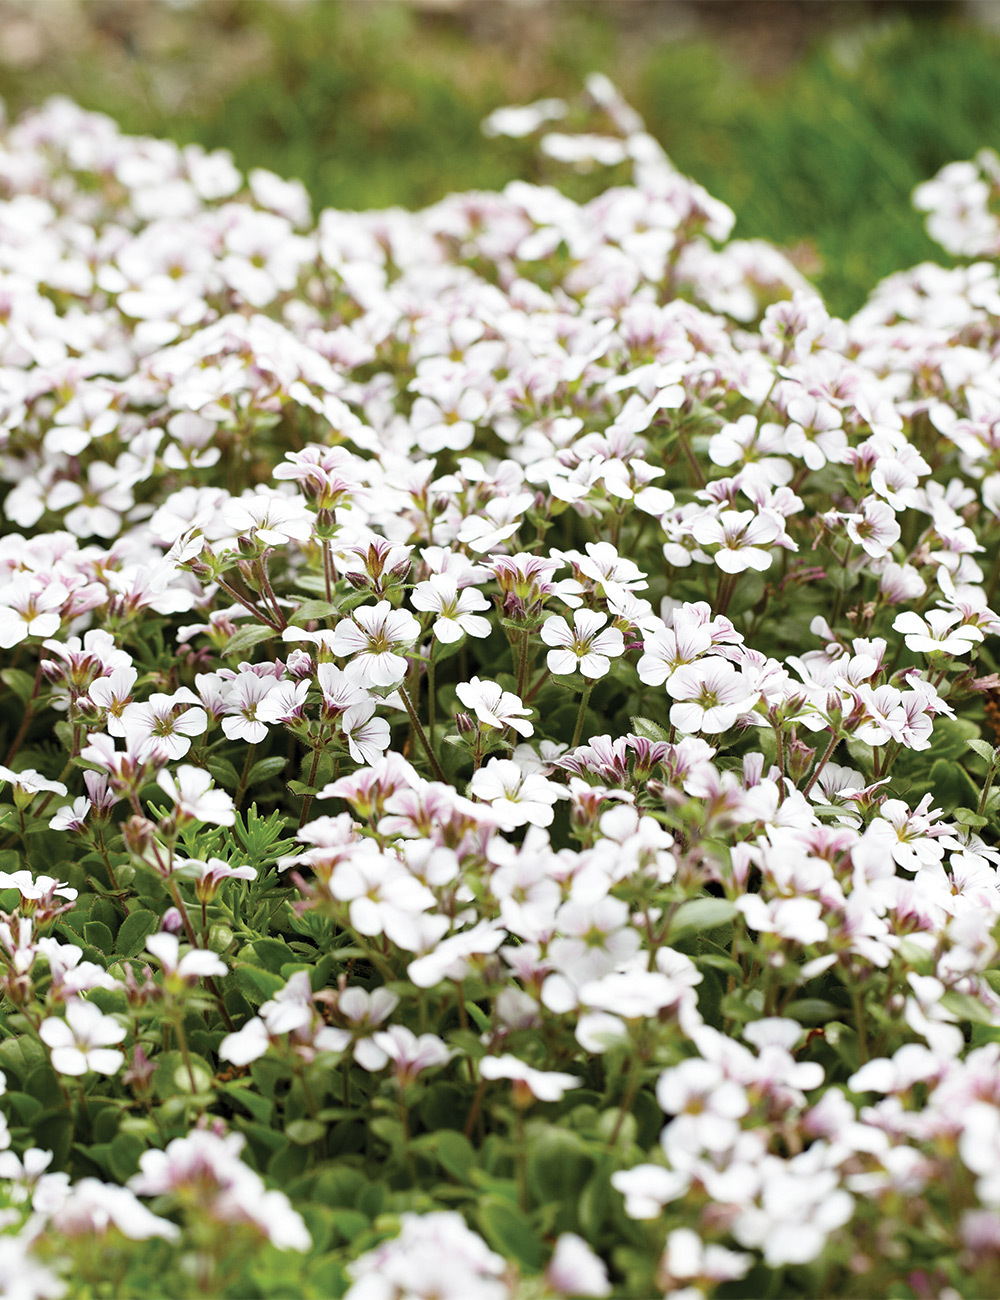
<point x="299" y="665"/>
<point x="466" y="726"/>
<point x="800" y="758"/>
<point x="172" y="920"/>
<point x="140" y="1072"/>
<point x="138" y="835"/>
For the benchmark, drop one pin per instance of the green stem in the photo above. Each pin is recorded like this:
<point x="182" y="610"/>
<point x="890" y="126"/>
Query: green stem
<point x="431" y="694"/>
<point x="244" y="776"/>
<point x="834" y="739"/>
<point x="186" y="1055"/>
<point x="685" y="447"/>
<point x="327" y="570"/>
<point x="404" y="1120"/>
<point x="175" y="894"/>
<point x="307" y="801"/>
<point x="521" y="1160"/>
<point x="29" y="713"/>
<point x="422" y="736"/>
<point x="522" y="664"/>
<point x="474" y="1109"/>
<point x="781" y="764"/>
<point x="987" y="785"/>
<point x="578" y="729"/>
<point x="628" y="1097"/>
<point x="242" y="600"/>
<point x="268" y="591"/>
<point x="857" y="1002"/>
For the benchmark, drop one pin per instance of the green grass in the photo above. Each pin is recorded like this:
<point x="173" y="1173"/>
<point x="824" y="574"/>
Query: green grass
<point x="372" y="105"/>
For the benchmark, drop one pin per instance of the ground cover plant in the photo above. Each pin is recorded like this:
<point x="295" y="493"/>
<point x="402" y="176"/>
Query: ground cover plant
<point x="378" y="104"/>
<point x="499" y="712"/>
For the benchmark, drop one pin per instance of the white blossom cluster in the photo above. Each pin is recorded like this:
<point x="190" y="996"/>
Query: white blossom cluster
<point x="598" y="593"/>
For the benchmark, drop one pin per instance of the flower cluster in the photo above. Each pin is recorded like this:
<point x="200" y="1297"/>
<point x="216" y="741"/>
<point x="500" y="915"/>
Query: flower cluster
<point x="498" y="732"/>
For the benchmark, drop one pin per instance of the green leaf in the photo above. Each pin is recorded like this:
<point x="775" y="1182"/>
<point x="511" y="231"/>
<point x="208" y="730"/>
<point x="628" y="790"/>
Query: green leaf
<point x="246" y="638"/>
<point x="479" y="1017"/>
<point x="511" y="1234"/>
<point x="265" y="768"/>
<point x="172" y="1079"/>
<point x="24" y="1105"/>
<point x="982" y="748"/>
<point x="452" y="1150"/>
<point x="244" y="1094"/>
<point x="54" y="1133"/>
<point x="443" y="1106"/>
<point x="648" y="729"/>
<point x="271" y="954"/>
<point x="966" y="1007"/>
<point x="699" y="914"/>
<point x="257" y="985"/>
<point x="123" y="1155"/>
<point x="558" y="1164"/>
<point x="304" y="1132"/>
<point x="20" y="682"/>
<point x="349" y="1223"/>
<point x="97" y="934"/>
<point x="288" y="1163"/>
<point x="952" y="785"/>
<point x="717" y="961"/>
<point x="812" y="1011"/>
<point x="43" y="1083"/>
<point x="224" y="772"/>
<point x="134" y="931"/>
<point x="596" y="1201"/>
<point x="313" y="609"/>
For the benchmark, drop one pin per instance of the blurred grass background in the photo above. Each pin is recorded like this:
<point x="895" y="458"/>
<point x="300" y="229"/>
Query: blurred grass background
<point x="814" y="120"/>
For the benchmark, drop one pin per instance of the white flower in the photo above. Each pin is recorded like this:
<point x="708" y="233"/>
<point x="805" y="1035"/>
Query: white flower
<point x="71" y="817"/>
<point x="583" y="647"/>
<point x="648" y="1188"/>
<point x="433" y="1255"/>
<point x="517" y="798"/>
<point x="158" y="720"/>
<point x="29" y="608"/>
<point x="374" y="636"/>
<point x="113" y="693"/>
<point x="458" y="610"/>
<point x="875" y="528"/>
<point x="936" y="633"/>
<point x="409" y="1054"/>
<point x="710" y="695"/>
<point x="367" y="736"/>
<point x="275" y="520"/>
<point x="247" y="692"/>
<point x="545" y="1085"/>
<point x="741" y="536"/>
<point x="82" y="1041"/>
<point x="31" y="782"/>
<point x="247" y="1044"/>
<point x="687" y="1258"/>
<point x="574" y="1269"/>
<point x="495" y="707"/>
<point x="193" y="965"/>
<point x="191" y="790"/>
<point x="204" y="1170"/>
